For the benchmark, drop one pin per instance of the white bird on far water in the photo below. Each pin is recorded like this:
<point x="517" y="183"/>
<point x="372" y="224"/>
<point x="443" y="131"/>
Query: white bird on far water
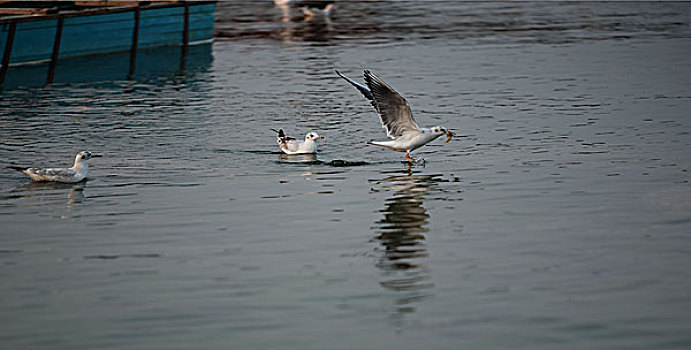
<point x="76" y="173"/>
<point x="290" y="145"/>
<point x="310" y="8"/>
<point x="326" y="11"/>
<point x="396" y="117"/>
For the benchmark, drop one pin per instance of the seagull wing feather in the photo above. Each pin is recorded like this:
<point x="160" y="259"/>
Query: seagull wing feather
<point x="364" y="90"/>
<point x="394" y="110"/>
<point x="53" y="172"/>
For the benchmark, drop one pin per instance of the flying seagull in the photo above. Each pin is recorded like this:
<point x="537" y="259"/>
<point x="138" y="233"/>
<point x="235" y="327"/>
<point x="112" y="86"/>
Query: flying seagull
<point x="396" y="117"/>
<point x="290" y="145"/>
<point x="76" y="173"/>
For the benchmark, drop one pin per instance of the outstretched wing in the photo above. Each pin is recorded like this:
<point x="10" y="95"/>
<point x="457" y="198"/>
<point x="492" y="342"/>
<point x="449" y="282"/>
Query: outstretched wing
<point x="364" y="90"/>
<point x="394" y="110"/>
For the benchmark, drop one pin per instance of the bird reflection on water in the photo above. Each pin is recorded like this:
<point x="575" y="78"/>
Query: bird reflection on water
<point x="401" y="235"/>
<point x="50" y="190"/>
<point x="297" y="158"/>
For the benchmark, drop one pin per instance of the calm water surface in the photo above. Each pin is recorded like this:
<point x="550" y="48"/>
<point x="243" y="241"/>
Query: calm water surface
<point x="559" y="218"/>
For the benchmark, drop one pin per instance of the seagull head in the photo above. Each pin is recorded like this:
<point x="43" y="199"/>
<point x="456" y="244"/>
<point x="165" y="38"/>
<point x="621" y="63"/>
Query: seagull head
<point x="440" y="130"/>
<point x="312" y="136"/>
<point x="85" y="155"/>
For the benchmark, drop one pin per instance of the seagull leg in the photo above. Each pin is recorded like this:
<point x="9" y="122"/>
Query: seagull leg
<point x="412" y="160"/>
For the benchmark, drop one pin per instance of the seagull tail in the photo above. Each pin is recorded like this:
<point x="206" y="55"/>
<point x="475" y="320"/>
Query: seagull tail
<point x="279" y="131"/>
<point x="17" y="168"/>
<point x="386" y="144"/>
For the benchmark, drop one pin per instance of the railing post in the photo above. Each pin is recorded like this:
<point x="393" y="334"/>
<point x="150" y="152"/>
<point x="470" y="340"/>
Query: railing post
<point x="186" y="30"/>
<point x="185" y="37"/>
<point x="56" y="50"/>
<point x="135" y="43"/>
<point x="8" y="53"/>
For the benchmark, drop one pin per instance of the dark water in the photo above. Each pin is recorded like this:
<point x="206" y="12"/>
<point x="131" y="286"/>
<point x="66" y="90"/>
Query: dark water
<point x="559" y="218"/>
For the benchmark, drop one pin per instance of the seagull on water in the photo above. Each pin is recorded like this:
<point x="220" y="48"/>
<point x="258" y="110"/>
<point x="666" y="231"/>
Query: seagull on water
<point x="396" y="117"/>
<point x="325" y="11"/>
<point x="309" y="7"/>
<point x="76" y="173"/>
<point x="290" y="145"/>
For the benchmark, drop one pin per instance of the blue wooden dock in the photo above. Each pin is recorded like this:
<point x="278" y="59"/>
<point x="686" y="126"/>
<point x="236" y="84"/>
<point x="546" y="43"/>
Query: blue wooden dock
<point x="58" y="34"/>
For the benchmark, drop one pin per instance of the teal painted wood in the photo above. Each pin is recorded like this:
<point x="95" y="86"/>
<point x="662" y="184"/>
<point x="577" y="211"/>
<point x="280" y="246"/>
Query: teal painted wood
<point x="108" y="33"/>
<point x="202" y="22"/>
<point x="161" y="27"/>
<point x="91" y="35"/>
<point x="33" y="41"/>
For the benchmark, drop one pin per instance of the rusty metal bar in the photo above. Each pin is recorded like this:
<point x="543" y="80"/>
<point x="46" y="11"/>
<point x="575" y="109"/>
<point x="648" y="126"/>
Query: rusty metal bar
<point x="56" y="50"/>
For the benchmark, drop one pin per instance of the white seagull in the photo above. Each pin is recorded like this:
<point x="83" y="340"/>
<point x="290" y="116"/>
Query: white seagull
<point x="290" y="145"/>
<point x="325" y="11"/>
<point x="76" y="173"/>
<point x="396" y="117"/>
<point x="309" y="7"/>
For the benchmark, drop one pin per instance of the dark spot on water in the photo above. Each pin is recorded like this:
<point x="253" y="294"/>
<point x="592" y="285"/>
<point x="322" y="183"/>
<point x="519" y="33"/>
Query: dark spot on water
<point x="117" y="256"/>
<point x="141" y="273"/>
<point x="265" y="152"/>
<point x="102" y="257"/>
<point x="345" y="163"/>
<point x="270" y="197"/>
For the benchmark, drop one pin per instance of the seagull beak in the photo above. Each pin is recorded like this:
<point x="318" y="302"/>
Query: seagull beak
<point x="96" y="155"/>
<point x="319" y="137"/>
<point x="449" y="135"/>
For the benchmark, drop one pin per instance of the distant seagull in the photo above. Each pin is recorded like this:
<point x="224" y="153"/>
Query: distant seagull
<point x="325" y="11"/>
<point x="290" y="145"/>
<point x="396" y="117"/>
<point x="76" y="173"/>
<point x="309" y="7"/>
